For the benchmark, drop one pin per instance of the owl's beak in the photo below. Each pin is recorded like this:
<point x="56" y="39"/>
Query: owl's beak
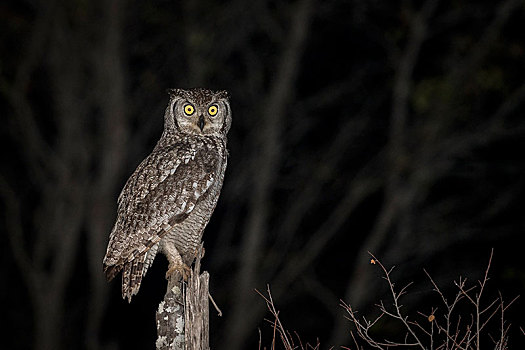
<point x="201" y="123"/>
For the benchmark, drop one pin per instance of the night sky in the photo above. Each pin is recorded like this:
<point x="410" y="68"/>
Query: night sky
<point x="392" y="128"/>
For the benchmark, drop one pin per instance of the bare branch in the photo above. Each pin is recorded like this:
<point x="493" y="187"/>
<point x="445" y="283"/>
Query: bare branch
<point x="277" y="327"/>
<point x="450" y="335"/>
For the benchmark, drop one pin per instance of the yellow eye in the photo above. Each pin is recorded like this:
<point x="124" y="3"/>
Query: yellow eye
<point x="189" y="109"/>
<point x="212" y="110"/>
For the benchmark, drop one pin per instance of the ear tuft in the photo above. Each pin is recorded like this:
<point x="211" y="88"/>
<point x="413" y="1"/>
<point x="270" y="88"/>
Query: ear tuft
<point x="223" y="94"/>
<point x="174" y="92"/>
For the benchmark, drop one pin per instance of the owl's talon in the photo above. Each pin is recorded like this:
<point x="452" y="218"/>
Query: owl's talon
<point x="183" y="269"/>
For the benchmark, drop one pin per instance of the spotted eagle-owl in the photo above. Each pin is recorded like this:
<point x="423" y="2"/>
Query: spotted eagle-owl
<point x="169" y="199"/>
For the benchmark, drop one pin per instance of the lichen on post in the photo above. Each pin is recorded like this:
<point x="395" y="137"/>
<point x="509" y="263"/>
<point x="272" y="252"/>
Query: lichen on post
<point x="183" y="316"/>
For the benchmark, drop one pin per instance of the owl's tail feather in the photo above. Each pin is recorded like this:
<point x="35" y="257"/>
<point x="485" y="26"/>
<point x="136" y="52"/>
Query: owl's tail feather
<point x="132" y="276"/>
<point x="111" y="271"/>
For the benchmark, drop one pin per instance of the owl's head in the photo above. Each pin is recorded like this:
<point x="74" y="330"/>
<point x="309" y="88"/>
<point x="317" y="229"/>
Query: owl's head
<point x="198" y="111"/>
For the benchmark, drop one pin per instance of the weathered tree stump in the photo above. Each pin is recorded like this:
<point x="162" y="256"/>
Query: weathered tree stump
<point x="183" y="316"/>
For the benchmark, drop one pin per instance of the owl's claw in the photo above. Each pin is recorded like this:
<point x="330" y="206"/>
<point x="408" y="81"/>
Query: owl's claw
<point x="183" y="269"/>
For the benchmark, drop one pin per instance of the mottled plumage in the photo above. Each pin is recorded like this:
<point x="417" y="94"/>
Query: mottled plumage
<point x="168" y="200"/>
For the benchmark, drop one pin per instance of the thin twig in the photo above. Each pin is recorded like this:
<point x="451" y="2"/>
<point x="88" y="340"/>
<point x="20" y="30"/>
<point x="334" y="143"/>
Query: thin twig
<point x="219" y="312"/>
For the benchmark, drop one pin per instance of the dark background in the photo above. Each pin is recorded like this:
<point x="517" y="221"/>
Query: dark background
<point x="391" y="127"/>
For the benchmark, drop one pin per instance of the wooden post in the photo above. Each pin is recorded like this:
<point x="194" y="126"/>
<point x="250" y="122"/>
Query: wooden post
<point x="183" y="316"/>
<point x="197" y="316"/>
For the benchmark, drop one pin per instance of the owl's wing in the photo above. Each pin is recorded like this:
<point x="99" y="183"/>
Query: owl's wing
<point x="162" y="192"/>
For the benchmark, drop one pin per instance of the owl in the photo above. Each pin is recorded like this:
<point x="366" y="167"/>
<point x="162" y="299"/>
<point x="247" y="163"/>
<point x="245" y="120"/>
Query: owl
<point x="169" y="199"/>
